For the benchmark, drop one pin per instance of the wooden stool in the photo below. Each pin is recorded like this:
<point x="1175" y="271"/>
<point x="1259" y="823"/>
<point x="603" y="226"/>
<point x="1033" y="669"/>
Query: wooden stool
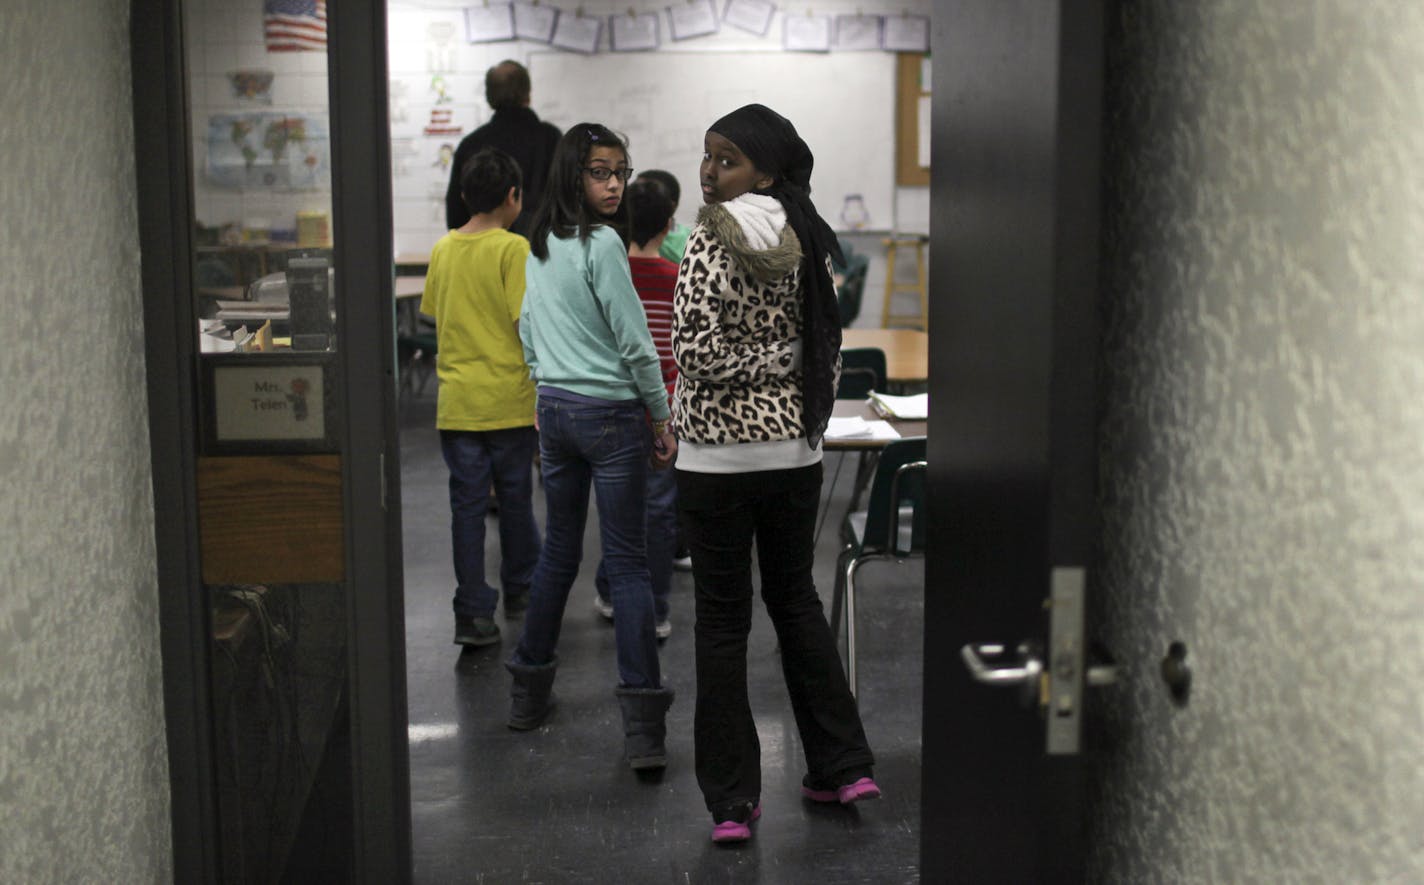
<point x="892" y="285"/>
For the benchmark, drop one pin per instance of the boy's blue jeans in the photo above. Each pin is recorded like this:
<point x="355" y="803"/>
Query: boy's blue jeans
<point x="605" y="445"/>
<point x="476" y="459"/>
<point x="662" y="539"/>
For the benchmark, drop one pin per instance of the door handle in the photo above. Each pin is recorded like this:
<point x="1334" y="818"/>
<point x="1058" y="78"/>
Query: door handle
<point x="1026" y="672"/>
<point x="1057" y="678"/>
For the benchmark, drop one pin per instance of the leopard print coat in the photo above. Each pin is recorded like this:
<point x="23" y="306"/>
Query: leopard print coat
<point x="737" y="320"/>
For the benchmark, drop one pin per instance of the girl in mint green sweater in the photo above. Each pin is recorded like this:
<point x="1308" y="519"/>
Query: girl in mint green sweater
<point x="602" y="416"/>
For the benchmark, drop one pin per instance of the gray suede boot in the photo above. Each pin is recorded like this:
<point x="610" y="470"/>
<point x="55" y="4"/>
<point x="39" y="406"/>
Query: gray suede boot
<point x="531" y="695"/>
<point x="644" y="729"/>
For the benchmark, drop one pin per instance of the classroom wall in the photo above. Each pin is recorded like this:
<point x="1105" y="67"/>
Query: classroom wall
<point x="223" y="38"/>
<point x="1262" y="447"/>
<point x="433" y="68"/>
<point x="83" y="759"/>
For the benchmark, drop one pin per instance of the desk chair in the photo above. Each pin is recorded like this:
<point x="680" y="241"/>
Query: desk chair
<point x="862" y="370"/>
<point x="891" y="527"/>
<point x="415" y="354"/>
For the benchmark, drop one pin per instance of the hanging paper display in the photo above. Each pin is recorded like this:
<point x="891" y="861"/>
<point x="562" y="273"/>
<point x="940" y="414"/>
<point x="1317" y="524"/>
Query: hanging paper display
<point x="906" y="33"/>
<point x="268" y="151"/>
<point x="632" y="32"/>
<point x="753" y="16"/>
<point x="489" y="24"/>
<point x="251" y="86"/>
<point x="695" y="18"/>
<point x="857" y="31"/>
<point x="535" y="22"/>
<point x="578" y="33"/>
<point x="807" y="33"/>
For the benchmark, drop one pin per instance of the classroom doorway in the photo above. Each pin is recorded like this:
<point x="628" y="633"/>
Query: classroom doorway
<point x="381" y="737"/>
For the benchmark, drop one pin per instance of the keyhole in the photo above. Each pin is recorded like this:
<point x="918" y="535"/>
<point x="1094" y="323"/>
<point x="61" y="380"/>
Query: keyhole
<point x="1177" y="673"/>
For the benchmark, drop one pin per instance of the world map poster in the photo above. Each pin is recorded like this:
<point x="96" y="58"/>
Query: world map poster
<point x="269" y="151"/>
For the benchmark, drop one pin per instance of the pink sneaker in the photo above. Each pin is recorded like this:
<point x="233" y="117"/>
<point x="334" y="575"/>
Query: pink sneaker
<point x="864" y="788"/>
<point x="735" y="831"/>
<point x="849" y="794"/>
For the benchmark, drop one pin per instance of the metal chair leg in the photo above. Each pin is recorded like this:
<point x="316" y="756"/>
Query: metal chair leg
<point x="838" y="593"/>
<point x="850" y="570"/>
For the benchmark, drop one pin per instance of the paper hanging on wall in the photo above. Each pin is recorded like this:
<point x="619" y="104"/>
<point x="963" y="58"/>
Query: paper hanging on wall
<point x="695" y="18"/>
<point x="251" y="85"/>
<point x="489" y="24"/>
<point x="749" y="15"/>
<point x="269" y="151"/>
<point x="440" y="51"/>
<point x="577" y="33"/>
<point x="628" y="32"/>
<point x="807" y="33"/>
<point x="534" y="22"/>
<point x="907" y="33"/>
<point x="857" y="32"/>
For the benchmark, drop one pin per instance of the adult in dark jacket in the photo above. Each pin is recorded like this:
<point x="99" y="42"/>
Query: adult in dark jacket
<point x="514" y="129"/>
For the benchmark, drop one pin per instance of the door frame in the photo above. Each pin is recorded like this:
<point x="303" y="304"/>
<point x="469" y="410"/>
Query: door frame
<point x="361" y="216"/>
<point x="1015" y="232"/>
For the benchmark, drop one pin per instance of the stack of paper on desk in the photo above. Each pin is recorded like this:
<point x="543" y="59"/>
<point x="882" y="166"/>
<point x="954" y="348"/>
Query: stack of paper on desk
<point x="859" y="428"/>
<point x="902" y="408"/>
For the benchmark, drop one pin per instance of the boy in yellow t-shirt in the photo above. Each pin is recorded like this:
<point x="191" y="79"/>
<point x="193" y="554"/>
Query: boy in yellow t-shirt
<point x="485" y="414"/>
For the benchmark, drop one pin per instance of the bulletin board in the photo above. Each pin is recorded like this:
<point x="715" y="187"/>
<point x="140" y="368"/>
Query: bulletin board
<point x="841" y="104"/>
<point x="911" y="102"/>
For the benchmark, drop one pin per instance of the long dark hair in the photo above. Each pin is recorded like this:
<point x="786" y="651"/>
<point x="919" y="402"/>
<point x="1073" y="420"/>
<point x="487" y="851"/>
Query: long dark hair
<point x="563" y="211"/>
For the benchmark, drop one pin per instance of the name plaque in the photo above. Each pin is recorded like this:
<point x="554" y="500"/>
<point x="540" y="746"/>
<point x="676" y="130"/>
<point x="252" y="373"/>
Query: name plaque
<point x="253" y="403"/>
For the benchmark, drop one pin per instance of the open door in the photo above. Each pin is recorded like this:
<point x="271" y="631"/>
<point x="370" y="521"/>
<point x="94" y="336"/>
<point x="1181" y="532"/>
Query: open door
<point x="1015" y="197"/>
<point x="263" y="191"/>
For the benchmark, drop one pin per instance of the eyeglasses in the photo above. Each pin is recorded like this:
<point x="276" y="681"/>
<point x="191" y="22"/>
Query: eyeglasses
<point x="603" y="173"/>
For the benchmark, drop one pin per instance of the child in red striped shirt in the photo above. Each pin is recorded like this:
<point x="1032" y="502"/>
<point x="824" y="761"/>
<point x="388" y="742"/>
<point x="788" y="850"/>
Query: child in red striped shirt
<point x="654" y="278"/>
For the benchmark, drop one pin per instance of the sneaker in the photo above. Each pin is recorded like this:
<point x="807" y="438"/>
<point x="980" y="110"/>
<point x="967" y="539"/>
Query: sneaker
<point x="603" y="607"/>
<point x="846" y="794"/>
<point x="475" y="631"/>
<point x="664" y="628"/>
<point x="682" y="562"/>
<point x="735" y="830"/>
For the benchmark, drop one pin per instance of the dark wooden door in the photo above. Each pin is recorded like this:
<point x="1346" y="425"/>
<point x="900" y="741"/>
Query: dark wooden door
<point x="324" y="715"/>
<point x="1014" y="226"/>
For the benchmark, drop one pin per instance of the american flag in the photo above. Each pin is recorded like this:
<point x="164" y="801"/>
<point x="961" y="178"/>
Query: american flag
<point x="295" y="25"/>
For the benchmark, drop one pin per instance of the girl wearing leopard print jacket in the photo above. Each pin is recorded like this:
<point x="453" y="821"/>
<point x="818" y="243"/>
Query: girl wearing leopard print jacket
<point x="756" y="336"/>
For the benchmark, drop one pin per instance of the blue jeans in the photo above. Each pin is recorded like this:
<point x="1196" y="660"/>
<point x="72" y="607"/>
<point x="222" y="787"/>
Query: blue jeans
<point x="604" y="444"/>
<point x="662" y="539"/>
<point x="476" y="459"/>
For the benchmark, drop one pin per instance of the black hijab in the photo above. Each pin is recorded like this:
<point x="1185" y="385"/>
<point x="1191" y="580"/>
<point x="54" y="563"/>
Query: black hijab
<point x="771" y="143"/>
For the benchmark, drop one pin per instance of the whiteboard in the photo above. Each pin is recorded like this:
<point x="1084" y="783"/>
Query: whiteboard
<point x="842" y="104"/>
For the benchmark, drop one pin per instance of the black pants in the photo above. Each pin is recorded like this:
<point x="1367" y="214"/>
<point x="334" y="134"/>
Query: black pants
<point x="721" y="515"/>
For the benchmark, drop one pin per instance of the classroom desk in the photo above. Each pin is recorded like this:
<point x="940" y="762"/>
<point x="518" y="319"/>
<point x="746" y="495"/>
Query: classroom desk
<point x="907" y="352"/>
<point x="868" y="450"/>
<point x="412" y="264"/>
<point x="851" y="408"/>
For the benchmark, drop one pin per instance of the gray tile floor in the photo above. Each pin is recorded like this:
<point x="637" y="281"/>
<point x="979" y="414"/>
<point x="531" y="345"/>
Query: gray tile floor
<point x="558" y="804"/>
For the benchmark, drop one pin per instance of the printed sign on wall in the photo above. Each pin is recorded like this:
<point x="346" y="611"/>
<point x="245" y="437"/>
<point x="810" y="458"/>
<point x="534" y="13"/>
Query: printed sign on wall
<point x="269" y="403"/>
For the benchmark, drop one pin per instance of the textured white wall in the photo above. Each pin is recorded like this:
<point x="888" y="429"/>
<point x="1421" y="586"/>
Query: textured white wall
<point x="83" y="762"/>
<point x="1262" y="458"/>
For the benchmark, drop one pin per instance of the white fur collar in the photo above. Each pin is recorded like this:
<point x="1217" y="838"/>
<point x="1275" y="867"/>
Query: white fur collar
<point x="761" y="218"/>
